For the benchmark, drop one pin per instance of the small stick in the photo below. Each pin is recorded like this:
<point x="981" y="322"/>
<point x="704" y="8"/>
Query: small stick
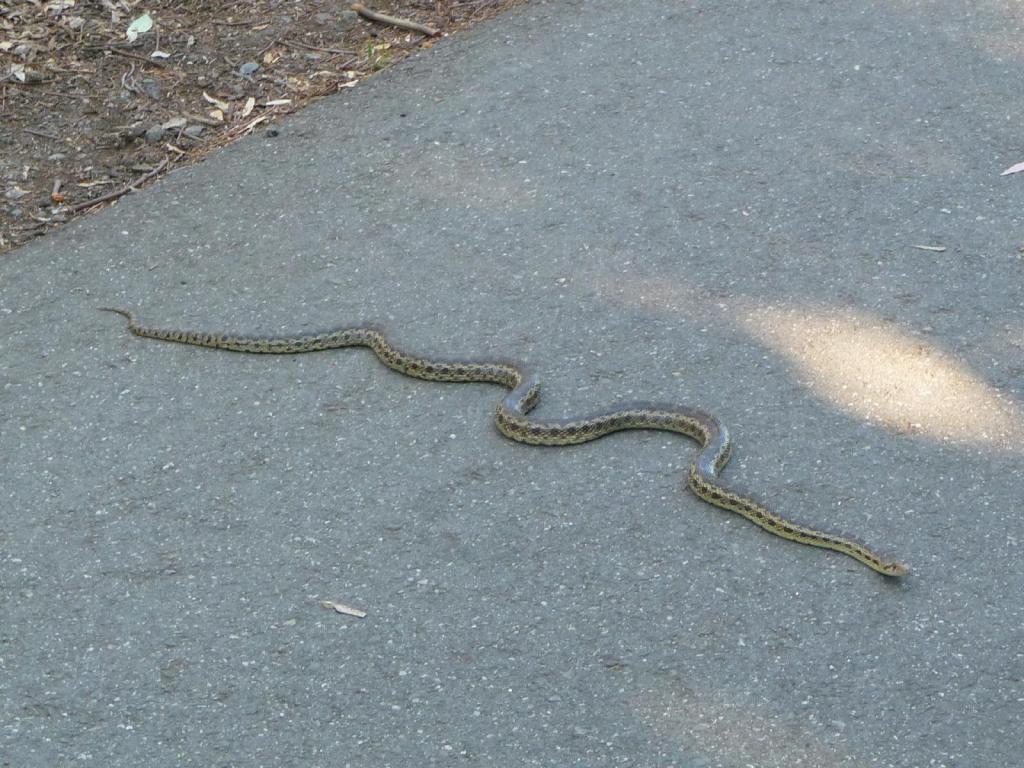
<point x="137" y="57"/>
<point x="64" y="95"/>
<point x="118" y="192"/>
<point x="41" y="134"/>
<point x="380" y="18"/>
<point x="254" y="22"/>
<point x="296" y="44"/>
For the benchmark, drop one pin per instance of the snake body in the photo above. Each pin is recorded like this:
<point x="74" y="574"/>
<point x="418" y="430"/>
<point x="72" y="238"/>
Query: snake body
<point x="512" y="419"/>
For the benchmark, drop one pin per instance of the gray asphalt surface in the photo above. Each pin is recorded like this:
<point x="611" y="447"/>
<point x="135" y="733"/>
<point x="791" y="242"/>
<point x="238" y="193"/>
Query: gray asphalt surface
<point x="708" y="203"/>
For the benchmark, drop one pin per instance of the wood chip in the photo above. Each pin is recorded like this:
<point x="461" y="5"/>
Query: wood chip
<point x="340" y="608"/>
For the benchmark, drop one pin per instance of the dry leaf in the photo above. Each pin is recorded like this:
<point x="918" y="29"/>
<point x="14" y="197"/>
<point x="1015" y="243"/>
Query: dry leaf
<point x="57" y="7"/>
<point x="216" y="102"/>
<point x="339" y="608"/>
<point x="1013" y="169"/>
<point x="249" y="104"/>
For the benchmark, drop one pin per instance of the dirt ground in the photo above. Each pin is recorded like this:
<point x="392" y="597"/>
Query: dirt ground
<point x="100" y="96"/>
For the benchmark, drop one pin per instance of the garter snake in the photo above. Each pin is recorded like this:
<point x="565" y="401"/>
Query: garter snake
<point x="513" y="421"/>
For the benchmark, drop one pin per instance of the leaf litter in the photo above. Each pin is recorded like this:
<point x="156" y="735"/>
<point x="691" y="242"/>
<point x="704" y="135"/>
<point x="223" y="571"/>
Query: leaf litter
<point x="96" y="96"/>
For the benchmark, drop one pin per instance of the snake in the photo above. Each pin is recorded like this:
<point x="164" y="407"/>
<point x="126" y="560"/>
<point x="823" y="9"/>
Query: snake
<point x="514" y="422"/>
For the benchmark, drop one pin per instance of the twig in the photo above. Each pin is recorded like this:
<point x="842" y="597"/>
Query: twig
<point x="204" y="120"/>
<point x="254" y="22"/>
<point x="81" y="96"/>
<point x="119" y="192"/>
<point x="148" y="60"/>
<point x="344" y="66"/>
<point x="267" y="47"/>
<point x="42" y="134"/>
<point x="296" y="44"/>
<point x="380" y="18"/>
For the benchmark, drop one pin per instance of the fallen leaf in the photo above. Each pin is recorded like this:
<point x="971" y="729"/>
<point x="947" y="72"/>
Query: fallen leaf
<point x="249" y="104"/>
<point x="139" y="27"/>
<point x="57" y="7"/>
<point x="1013" y="169"/>
<point x="216" y="102"/>
<point x="257" y="121"/>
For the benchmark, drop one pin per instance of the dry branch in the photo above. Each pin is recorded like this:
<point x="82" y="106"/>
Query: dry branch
<point x="380" y="18"/>
<point x="119" y="192"/>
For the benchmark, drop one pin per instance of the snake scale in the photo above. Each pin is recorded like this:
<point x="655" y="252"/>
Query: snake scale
<point x="513" y="421"/>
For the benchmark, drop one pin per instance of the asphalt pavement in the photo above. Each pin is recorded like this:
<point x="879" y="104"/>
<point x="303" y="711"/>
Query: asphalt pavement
<point x="789" y="214"/>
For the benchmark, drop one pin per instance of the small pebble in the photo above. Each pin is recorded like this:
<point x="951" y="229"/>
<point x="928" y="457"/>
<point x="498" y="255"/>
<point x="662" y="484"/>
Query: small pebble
<point x="248" y="68"/>
<point x="151" y="88"/>
<point x="155" y="133"/>
<point x="346" y="20"/>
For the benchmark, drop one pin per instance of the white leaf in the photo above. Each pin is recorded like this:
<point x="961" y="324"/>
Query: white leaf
<point x="216" y="102"/>
<point x="138" y="27"/>
<point x="1013" y="169"/>
<point x="342" y="608"/>
<point x="56" y="7"/>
